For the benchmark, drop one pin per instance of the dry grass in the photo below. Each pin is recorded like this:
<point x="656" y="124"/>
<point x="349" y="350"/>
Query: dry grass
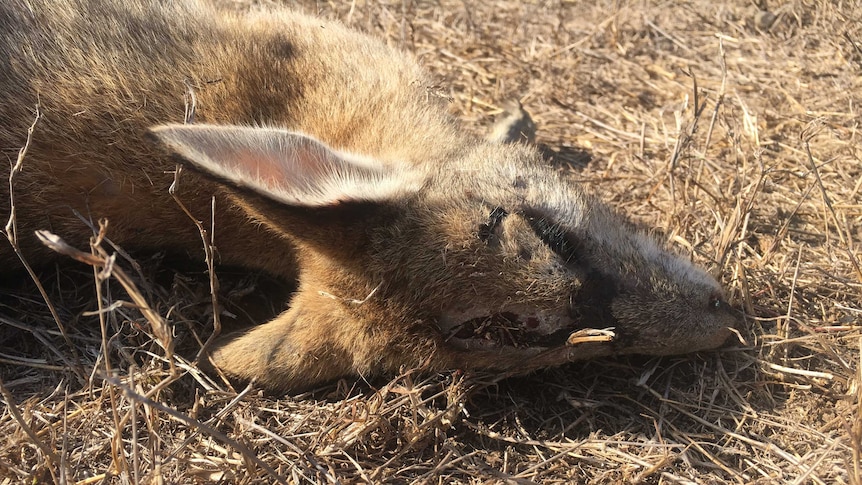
<point x="737" y="137"/>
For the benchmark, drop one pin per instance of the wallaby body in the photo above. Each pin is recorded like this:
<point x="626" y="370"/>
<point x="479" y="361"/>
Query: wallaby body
<point x="332" y="163"/>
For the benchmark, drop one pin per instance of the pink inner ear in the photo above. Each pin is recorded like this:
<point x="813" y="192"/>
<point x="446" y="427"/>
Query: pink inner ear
<point x="285" y="166"/>
<point x="297" y="164"/>
<point x="268" y="172"/>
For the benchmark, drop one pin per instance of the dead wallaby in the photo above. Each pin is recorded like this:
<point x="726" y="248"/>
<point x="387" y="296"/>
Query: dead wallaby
<point x="333" y="163"/>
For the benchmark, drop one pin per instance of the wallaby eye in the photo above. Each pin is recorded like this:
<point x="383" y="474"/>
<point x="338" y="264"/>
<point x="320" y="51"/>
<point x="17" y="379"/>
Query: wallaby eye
<point x="487" y="229"/>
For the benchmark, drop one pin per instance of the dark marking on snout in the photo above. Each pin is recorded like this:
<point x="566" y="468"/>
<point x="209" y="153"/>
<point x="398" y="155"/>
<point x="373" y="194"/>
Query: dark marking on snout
<point x="591" y="305"/>
<point x="487" y="229"/>
<point x="561" y="242"/>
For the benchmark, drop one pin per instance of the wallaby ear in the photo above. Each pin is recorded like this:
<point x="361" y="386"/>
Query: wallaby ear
<point x="287" y="167"/>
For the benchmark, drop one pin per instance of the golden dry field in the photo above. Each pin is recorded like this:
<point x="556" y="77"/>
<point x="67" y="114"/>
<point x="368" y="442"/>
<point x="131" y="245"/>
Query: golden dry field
<point x="732" y="128"/>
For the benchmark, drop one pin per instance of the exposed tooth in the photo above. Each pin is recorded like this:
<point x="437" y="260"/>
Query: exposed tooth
<point x="591" y="335"/>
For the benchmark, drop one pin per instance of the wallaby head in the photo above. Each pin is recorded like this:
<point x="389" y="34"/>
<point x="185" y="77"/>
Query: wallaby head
<point x="491" y="260"/>
<point x="332" y="162"/>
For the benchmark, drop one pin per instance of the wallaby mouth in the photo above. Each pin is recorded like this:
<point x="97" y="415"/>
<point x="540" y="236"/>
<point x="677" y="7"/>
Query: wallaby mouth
<point x="516" y="330"/>
<point x="522" y="341"/>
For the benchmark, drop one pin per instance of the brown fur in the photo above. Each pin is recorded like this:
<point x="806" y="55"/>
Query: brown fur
<point x="385" y="214"/>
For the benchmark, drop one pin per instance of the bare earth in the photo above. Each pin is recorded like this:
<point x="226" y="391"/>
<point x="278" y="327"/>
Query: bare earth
<point x="733" y="131"/>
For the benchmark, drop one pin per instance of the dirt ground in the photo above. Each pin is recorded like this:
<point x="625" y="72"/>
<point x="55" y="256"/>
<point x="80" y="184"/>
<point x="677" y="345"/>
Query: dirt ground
<point x="730" y="127"/>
